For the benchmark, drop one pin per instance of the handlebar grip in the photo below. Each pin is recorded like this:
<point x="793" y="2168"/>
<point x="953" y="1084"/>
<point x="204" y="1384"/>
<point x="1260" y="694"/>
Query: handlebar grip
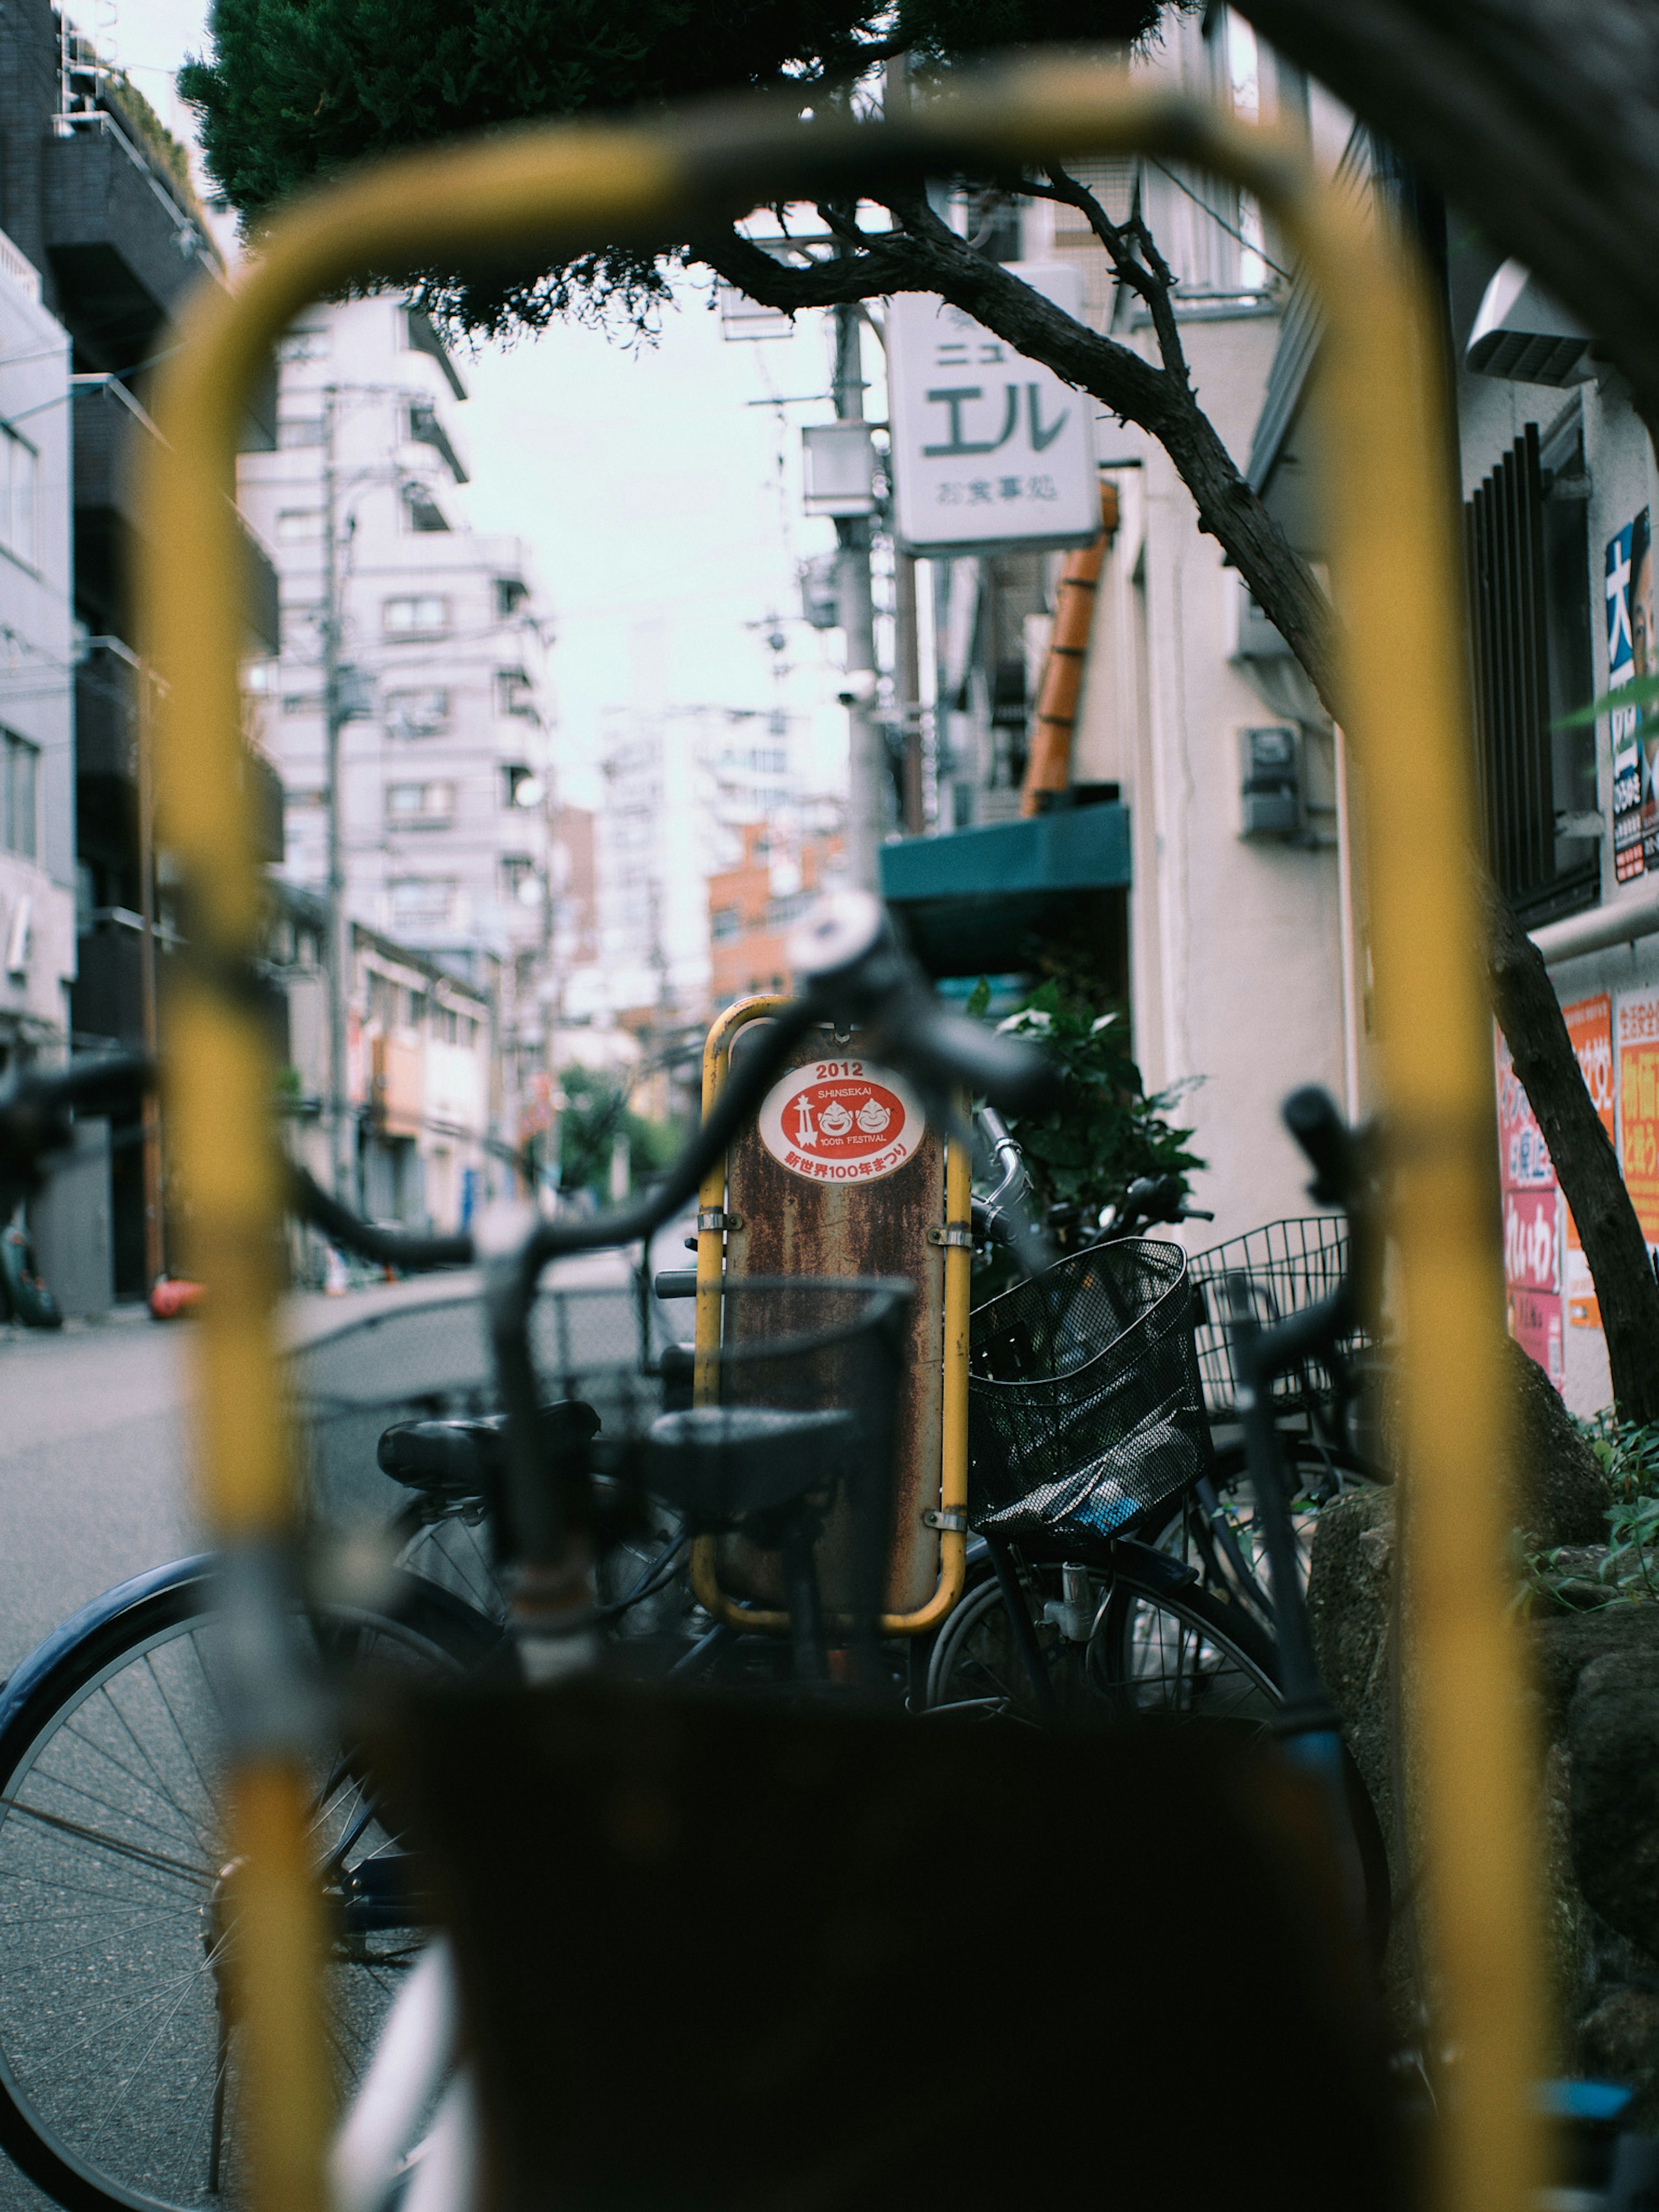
<point x="34" y="1110"/>
<point x="1311" y="1117"/>
<point x="949" y="1049"/>
<point x="386" y="1247"/>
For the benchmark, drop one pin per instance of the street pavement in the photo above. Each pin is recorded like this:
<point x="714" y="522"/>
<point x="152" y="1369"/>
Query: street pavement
<point x="94" y="1483"/>
<point x="93" y="1487"/>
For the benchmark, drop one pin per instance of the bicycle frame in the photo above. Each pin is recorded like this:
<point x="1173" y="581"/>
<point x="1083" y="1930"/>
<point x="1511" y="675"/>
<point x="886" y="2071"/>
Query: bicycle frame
<point x="559" y="188"/>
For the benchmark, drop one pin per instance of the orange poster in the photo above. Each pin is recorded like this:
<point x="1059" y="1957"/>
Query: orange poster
<point x="1637" y="1023"/>
<point x="1589" y="1024"/>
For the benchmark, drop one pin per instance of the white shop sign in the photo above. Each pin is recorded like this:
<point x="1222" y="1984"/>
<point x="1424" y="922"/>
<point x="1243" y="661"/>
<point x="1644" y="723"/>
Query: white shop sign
<point x="988" y="449"/>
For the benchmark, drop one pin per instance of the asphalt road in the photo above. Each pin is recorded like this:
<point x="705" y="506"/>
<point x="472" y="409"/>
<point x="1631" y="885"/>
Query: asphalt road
<point x="92" y="1488"/>
<point x="93" y="1464"/>
<point x="94" y="1484"/>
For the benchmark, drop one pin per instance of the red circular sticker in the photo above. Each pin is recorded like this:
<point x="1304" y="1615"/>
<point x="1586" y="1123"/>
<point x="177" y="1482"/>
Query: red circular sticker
<point x="841" y="1120"/>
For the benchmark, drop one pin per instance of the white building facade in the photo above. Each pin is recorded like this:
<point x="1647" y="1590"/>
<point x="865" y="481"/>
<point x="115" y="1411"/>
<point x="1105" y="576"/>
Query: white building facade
<point x="440" y="679"/>
<point x="679" y="785"/>
<point x="37" y="655"/>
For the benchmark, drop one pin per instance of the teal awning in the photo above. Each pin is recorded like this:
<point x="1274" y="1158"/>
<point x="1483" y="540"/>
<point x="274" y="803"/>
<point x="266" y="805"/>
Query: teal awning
<point x="973" y="898"/>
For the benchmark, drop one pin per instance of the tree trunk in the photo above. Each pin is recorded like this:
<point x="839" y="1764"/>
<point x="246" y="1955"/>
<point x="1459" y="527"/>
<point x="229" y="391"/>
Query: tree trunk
<point x="1585" y="1162"/>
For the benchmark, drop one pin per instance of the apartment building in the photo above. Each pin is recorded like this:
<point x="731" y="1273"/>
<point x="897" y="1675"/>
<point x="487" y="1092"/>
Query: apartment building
<point x="423" y="1069"/>
<point x="683" y="788"/>
<point x="37" y="673"/>
<point x="753" y="907"/>
<point x="104" y="239"/>
<point x="416" y="649"/>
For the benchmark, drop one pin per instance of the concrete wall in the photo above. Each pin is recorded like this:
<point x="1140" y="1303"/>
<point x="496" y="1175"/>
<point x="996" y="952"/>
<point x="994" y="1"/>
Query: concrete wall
<point x="36" y="674"/>
<point x="1236" y="944"/>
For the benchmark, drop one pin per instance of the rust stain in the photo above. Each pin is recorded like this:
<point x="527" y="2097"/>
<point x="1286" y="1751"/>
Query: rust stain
<point x="792" y="1227"/>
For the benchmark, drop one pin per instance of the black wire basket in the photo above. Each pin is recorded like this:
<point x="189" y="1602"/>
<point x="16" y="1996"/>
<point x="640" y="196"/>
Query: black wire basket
<point x="1289" y="1265"/>
<point x="799" y="1399"/>
<point x="1086" y="1407"/>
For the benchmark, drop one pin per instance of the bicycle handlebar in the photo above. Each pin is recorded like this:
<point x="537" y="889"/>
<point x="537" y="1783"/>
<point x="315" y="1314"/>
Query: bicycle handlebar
<point x="852" y="970"/>
<point x="1311" y="1117"/>
<point x="35" y="1110"/>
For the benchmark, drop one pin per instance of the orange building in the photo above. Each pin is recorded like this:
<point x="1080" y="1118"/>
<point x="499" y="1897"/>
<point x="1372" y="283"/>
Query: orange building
<point x="753" y="907"/>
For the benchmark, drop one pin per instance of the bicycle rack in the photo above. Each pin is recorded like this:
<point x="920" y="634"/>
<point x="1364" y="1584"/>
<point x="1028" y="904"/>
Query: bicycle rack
<point x="895" y="1202"/>
<point x="560" y="189"/>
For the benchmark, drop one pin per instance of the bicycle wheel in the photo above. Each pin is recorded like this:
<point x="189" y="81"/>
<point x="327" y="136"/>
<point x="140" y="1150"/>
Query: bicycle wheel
<point x="453" y="1552"/>
<point x="1155" y="1653"/>
<point x="1157" y="1640"/>
<point x="118" y="2073"/>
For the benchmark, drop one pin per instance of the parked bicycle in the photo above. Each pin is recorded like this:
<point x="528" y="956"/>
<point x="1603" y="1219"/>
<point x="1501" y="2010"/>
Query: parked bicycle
<point x="118" y="2072"/>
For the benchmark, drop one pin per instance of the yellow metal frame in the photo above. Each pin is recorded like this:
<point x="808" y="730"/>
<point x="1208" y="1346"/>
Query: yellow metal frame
<point x="553" y="191"/>
<point x="953" y="1426"/>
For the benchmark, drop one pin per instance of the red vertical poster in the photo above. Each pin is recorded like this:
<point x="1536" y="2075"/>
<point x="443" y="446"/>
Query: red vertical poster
<point x="1532" y="1241"/>
<point x="1589" y="1024"/>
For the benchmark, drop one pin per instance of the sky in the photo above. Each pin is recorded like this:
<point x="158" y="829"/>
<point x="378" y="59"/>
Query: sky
<point x="656" y="485"/>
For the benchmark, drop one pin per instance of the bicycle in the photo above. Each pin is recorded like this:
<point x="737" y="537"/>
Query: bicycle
<point x="118" y="2083"/>
<point x="1108" y="1580"/>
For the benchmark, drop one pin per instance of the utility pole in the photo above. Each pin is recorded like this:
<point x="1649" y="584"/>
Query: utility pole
<point x="907" y="643"/>
<point x="154" y="1249"/>
<point x="343" y="1135"/>
<point x="866" y="779"/>
<point x="907" y="686"/>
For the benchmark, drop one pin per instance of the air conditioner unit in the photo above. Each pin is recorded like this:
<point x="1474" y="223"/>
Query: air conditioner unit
<point x="1250" y="636"/>
<point x="1522" y="334"/>
<point x="838" y="469"/>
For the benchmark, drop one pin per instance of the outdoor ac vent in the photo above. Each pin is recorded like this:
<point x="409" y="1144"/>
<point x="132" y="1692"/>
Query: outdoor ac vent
<point x="1250" y="636"/>
<point x="838" y="466"/>
<point x="1522" y="334"/>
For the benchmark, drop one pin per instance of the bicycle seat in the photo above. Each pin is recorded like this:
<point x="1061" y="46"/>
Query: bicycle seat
<point x="732" y="1463"/>
<point x="452" y="1462"/>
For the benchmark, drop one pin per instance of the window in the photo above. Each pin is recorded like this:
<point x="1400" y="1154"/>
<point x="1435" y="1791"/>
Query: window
<point x="309" y="342"/>
<point x="259" y="675"/>
<point x="781" y="912"/>
<point x="426" y="900"/>
<point x="1529" y="571"/>
<point x="724" y="923"/>
<point x="417" y="714"/>
<point x="519" y="877"/>
<point x="300" y="430"/>
<point x="300" y="526"/>
<point x="412" y="805"/>
<point x="511" y="593"/>
<point x="520" y="786"/>
<point x="302" y="702"/>
<point x="19" y="470"/>
<point x="427" y="615"/>
<point x="19" y="795"/>
<point x="421" y="510"/>
<point x="514" y="694"/>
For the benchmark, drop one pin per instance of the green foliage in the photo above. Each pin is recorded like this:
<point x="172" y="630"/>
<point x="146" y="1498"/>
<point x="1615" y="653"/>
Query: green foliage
<point x="1629" y="1451"/>
<point x="296" y="89"/>
<point x="595" y="1114"/>
<point x="1105" y="1130"/>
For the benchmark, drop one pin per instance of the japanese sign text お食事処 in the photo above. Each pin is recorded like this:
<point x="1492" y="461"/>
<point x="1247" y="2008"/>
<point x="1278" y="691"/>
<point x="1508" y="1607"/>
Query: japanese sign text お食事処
<point x="989" y="448"/>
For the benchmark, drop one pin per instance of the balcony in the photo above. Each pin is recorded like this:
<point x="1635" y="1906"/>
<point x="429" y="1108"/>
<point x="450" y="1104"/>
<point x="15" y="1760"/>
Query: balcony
<point x="109" y="424"/>
<point x="122" y="250"/>
<point x="972" y="900"/>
